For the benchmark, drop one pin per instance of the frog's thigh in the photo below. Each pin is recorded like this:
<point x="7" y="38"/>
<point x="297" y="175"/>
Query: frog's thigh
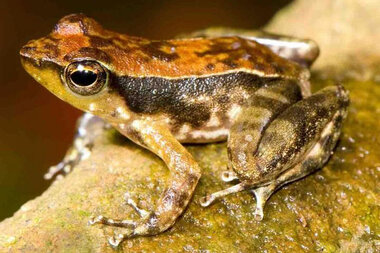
<point x="297" y="142"/>
<point x="331" y="110"/>
<point x="302" y="51"/>
<point x="88" y="127"/>
<point x="248" y="127"/>
<point x="314" y="159"/>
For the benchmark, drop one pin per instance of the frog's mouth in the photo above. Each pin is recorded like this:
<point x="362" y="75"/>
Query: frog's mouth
<point x="41" y="70"/>
<point x="45" y="72"/>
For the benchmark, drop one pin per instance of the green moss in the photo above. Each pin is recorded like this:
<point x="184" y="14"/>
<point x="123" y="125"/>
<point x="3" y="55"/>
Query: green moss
<point x="84" y="214"/>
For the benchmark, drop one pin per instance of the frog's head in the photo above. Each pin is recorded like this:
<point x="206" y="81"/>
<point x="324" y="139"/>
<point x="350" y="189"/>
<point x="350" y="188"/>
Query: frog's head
<point x="74" y="63"/>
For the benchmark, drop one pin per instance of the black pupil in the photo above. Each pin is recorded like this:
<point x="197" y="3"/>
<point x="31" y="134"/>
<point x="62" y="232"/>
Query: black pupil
<point x="83" y="77"/>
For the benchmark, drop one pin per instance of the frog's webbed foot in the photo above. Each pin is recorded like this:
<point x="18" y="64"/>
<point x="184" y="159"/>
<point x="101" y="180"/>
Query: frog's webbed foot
<point x="88" y="127"/>
<point x="262" y="194"/>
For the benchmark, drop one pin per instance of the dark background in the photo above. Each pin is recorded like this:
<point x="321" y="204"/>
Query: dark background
<point x="36" y="127"/>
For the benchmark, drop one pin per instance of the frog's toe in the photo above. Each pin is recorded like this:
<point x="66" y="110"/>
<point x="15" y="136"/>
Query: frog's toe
<point x="262" y="194"/>
<point x="259" y="213"/>
<point x="78" y="152"/>
<point x="229" y="176"/>
<point x="209" y="199"/>
<point x="112" y="222"/>
<point x="115" y="240"/>
<point x="132" y="203"/>
<point x="61" y="169"/>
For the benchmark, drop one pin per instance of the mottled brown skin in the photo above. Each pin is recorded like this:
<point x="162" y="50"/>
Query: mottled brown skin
<point x="302" y="51"/>
<point x="160" y="94"/>
<point x="80" y="36"/>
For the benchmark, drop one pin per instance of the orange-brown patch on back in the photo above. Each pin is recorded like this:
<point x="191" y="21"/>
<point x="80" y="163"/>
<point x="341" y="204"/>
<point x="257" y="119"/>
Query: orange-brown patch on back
<point x="132" y="56"/>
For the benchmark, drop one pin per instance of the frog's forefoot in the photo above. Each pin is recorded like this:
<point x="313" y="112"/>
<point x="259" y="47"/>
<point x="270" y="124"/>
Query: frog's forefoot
<point x="123" y="223"/>
<point x="80" y="150"/>
<point x="88" y="127"/>
<point x="149" y="224"/>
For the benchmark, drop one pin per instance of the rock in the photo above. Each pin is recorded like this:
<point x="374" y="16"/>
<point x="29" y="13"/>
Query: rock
<point x="334" y="209"/>
<point x="347" y="31"/>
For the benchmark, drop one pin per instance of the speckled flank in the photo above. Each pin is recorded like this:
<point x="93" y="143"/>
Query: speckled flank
<point x="249" y="126"/>
<point x="200" y="109"/>
<point x="183" y="98"/>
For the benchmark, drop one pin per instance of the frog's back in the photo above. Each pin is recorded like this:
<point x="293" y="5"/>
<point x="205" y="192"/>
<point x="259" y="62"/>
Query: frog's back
<point x="211" y="56"/>
<point x="80" y="36"/>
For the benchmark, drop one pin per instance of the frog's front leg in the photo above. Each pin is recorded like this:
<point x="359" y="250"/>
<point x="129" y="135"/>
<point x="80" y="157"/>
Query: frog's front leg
<point x="185" y="174"/>
<point x="88" y="127"/>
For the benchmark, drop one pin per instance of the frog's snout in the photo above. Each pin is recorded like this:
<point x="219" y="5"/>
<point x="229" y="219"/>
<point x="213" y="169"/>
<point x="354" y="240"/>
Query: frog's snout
<point x="27" y="51"/>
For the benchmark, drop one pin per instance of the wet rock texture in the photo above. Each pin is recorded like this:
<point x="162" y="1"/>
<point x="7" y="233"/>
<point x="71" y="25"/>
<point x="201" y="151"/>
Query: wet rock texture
<point x="334" y="209"/>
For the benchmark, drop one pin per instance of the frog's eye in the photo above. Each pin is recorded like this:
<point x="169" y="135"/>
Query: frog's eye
<point x="85" y="77"/>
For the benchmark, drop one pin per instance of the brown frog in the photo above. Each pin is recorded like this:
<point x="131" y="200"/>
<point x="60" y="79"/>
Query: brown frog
<point x="160" y="94"/>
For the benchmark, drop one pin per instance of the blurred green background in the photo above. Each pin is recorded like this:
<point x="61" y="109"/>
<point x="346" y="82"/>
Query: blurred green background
<point x="35" y="127"/>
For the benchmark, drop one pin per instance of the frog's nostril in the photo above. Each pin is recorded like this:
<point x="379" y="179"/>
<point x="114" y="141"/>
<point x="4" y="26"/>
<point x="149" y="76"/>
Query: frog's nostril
<point x="26" y="51"/>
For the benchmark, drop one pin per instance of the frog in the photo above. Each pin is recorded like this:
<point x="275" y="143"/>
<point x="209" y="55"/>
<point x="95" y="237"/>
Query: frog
<point x="251" y="91"/>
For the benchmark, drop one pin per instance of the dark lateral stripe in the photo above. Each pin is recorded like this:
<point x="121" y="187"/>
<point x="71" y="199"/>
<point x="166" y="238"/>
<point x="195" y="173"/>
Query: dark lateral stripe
<point x="152" y="95"/>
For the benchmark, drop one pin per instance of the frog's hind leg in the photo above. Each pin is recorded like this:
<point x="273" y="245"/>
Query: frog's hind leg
<point x="248" y="128"/>
<point x="314" y="158"/>
<point x="294" y="145"/>
<point x="88" y="127"/>
<point x="302" y="51"/>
